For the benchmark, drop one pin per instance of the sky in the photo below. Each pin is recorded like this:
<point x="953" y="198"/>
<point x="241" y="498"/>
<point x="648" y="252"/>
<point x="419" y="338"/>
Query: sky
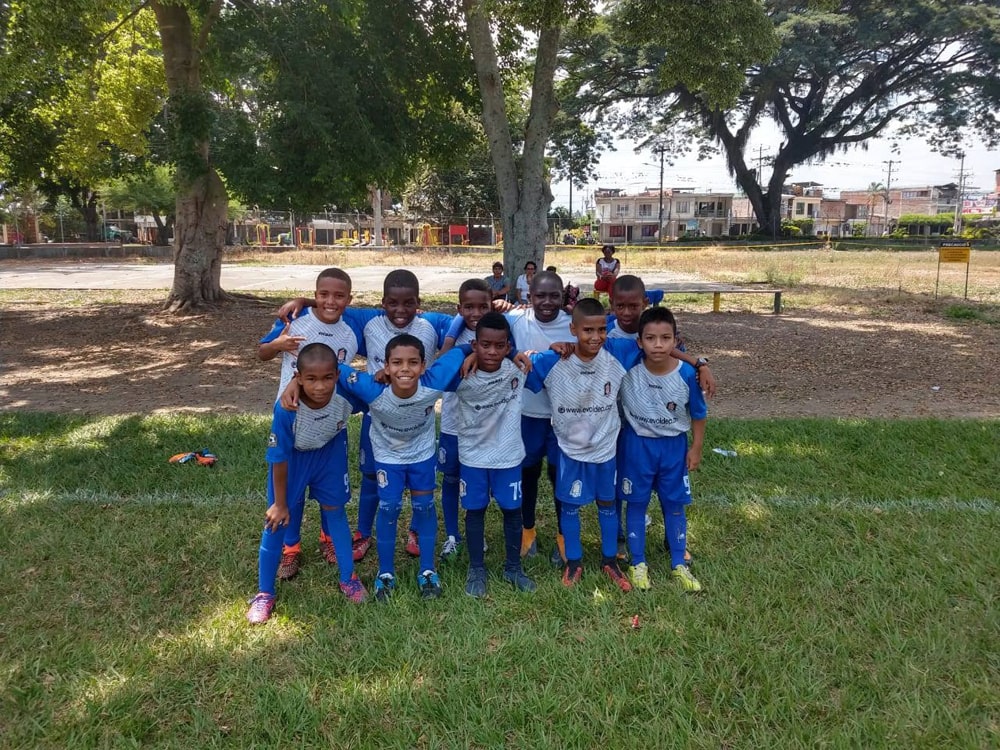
<point x="914" y="164"/>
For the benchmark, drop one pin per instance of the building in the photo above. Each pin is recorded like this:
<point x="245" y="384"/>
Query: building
<point x="868" y="207"/>
<point x="636" y="218"/>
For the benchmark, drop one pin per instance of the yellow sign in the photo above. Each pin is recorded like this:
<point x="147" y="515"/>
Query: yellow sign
<point x="953" y="255"/>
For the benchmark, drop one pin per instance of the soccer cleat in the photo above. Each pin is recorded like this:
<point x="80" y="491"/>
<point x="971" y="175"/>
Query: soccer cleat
<point x="261" y="607"/>
<point x="639" y="575"/>
<point x="529" y="543"/>
<point x="354" y="590"/>
<point x="430" y="585"/>
<point x="412" y="545"/>
<point x="558" y="558"/>
<point x="516" y="577"/>
<point x="612" y="571"/>
<point x="450" y="549"/>
<point x="291" y="561"/>
<point x="327" y="551"/>
<point x="385" y="584"/>
<point x="475" y="583"/>
<point x="360" y="545"/>
<point x="572" y="576"/>
<point x="688" y="581"/>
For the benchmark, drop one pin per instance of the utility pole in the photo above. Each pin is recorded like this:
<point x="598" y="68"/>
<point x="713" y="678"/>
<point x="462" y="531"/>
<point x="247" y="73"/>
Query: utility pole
<point x="888" y="184"/>
<point x="957" y="227"/>
<point x="659" y="215"/>
<point x="571" y="197"/>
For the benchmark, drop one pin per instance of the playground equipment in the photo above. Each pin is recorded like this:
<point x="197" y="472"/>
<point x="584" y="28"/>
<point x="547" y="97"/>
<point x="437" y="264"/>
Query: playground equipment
<point x="305" y="236"/>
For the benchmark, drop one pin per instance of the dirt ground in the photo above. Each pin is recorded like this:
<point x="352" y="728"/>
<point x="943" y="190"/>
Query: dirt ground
<point x="889" y="360"/>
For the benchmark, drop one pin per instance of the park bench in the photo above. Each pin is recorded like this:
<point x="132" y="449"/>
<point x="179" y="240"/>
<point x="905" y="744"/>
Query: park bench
<point x="717" y="290"/>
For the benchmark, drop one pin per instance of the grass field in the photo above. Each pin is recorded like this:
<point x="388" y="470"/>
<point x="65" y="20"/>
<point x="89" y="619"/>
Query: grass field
<point x="851" y="600"/>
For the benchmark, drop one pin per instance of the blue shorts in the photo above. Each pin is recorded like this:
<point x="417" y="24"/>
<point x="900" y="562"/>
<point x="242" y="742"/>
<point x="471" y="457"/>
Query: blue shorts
<point x="654" y="463"/>
<point x="581" y="482"/>
<point x="366" y="459"/>
<point x="392" y="479"/>
<point x="323" y="471"/>
<point x="478" y="484"/>
<point x="539" y="441"/>
<point x="447" y="460"/>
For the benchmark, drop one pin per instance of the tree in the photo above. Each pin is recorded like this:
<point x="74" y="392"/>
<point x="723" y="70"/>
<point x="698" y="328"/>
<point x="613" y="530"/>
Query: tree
<point x="842" y="74"/>
<point x="150" y="191"/>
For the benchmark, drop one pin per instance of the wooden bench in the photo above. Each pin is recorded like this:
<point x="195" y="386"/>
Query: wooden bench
<point x="717" y="290"/>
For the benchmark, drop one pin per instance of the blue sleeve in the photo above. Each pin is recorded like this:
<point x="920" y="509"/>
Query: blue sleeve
<point x="446" y="370"/>
<point x="357" y="318"/>
<point x="611" y="319"/>
<point x="360" y="385"/>
<point x="276" y="329"/>
<point x="442" y="324"/>
<point x="541" y="365"/>
<point x="655" y="296"/>
<point x="281" y="441"/>
<point x="696" y="405"/>
<point x="456" y="328"/>
<point x="626" y="351"/>
<point x="357" y="405"/>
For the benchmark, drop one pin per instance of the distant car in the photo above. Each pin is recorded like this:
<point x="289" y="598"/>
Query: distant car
<point x="117" y="234"/>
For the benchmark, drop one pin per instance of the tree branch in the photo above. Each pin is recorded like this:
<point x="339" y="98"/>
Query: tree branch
<point x="206" y="27"/>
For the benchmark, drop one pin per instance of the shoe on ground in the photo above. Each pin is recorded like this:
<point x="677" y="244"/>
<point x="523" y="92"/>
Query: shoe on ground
<point x="572" y="577"/>
<point x="291" y="562"/>
<point x="623" y="550"/>
<point x="683" y="574"/>
<point x="354" y="590"/>
<point x="327" y="551"/>
<point x="412" y="545"/>
<point x="430" y="585"/>
<point x="261" y="607"/>
<point x="360" y="545"/>
<point x="385" y="584"/>
<point x="612" y="571"/>
<point x="639" y="576"/>
<point x="475" y="583"/>
<point x="450" y="550"/>
<point x="517" y="578"/>
<point x="558" y="558"/>
<point x="529" y="543"/>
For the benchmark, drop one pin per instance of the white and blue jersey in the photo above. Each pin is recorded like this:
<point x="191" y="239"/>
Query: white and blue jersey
<point x="488" y="416"/>
<point x="662" y="405"/>
<point x="615" y="331"/>
<point x="343" y="337"/>
<point x="584" y="397"/>
<point x="378" y="330"/>
<point x="449" y="402"/>
<point x="402" y="430"/>
<point x="530" y="334"/>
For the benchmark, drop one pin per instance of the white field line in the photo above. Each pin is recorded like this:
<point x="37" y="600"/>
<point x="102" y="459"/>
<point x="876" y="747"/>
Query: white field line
<point x="903" y="504"/>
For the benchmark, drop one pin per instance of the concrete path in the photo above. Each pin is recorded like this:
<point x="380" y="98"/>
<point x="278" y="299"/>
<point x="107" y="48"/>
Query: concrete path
<point x="239" y="277"/>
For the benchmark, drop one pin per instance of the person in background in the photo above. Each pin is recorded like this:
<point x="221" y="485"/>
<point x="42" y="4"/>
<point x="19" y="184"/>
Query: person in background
<point x="499" y="284"/>
<point x="523" y="283"/>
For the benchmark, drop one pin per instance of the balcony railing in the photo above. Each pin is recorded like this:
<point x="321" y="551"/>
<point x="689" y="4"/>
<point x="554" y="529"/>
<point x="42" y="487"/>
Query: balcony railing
<point x="719" y="213"/>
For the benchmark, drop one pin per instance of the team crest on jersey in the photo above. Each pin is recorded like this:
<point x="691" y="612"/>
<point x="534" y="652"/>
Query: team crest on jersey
<point x="442" y="455"/>
<point x="461" y="488"/>
<point x="272" y="441"/>
<point x="576" y="489"/>
<point x="428" y="410"/>
<point x="383" y="478"/>
<point x="513" y="384"/>
<point x="347" y="482"/>
<point x="607" y="388"/>
<point x="626" y="486"/>
<point x="672" y="406"/>
<point x="342" y="355"/>
<point x="340" y="425"/>
<point x="352" y="378"/>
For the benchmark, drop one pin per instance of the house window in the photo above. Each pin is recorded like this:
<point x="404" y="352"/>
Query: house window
<point x="616" y="230"/>
<point x="706" y="208"/>
<point x="621" y="209"/>
<point x="800" y="208"/>
<point x="649" y="230"/>
<point x="916" y="193"/>
<point x="683" y="207"/>
<point x="645" y="209"/>
<point x="862" y="212"/>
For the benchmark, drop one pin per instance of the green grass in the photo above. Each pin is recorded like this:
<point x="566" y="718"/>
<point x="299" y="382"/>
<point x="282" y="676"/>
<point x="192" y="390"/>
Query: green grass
<point x="851" y="601"/>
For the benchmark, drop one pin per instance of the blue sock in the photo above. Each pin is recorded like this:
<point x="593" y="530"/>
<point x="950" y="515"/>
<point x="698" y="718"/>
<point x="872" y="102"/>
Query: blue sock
<point x="293" y="532"/>
<point x="475" y="535"/>
<point x="268" y="559"/>
<point x="570" y="517"/>
<point x="636" y="516"/>
<point x="607" y="518"/>
<point x="385" y="523"/>
<point x="511" y="539"/>
<point x="367" y="504"/>
<point x="340" y="534"/>
<point x="449" y="505"/>
<point x="675" y="520"/>
<point x="424" y="523"/>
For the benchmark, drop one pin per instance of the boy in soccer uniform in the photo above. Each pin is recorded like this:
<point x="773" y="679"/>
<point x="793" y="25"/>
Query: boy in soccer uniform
<point x="474" y="301"/>
<point x="662" y="401"/>
<point x="536" y="329"/>
<point x="488" y="417"/>
<point x="402" y="446"/>
<point x="583" y="389"/>
<point x="308" y="449"/>
<point x="325" y="324"/>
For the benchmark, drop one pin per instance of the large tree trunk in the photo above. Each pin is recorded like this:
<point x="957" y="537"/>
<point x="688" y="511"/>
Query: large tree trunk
<point x="524" y="193"/>
<point x="201" y="217"/>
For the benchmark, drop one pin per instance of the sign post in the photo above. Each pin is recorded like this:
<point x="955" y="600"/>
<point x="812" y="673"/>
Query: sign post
<point x="953" y="251"/>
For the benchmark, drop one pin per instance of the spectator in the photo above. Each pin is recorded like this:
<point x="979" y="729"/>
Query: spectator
<point x="499" y="285"/>
<point x="523" y="283"/>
